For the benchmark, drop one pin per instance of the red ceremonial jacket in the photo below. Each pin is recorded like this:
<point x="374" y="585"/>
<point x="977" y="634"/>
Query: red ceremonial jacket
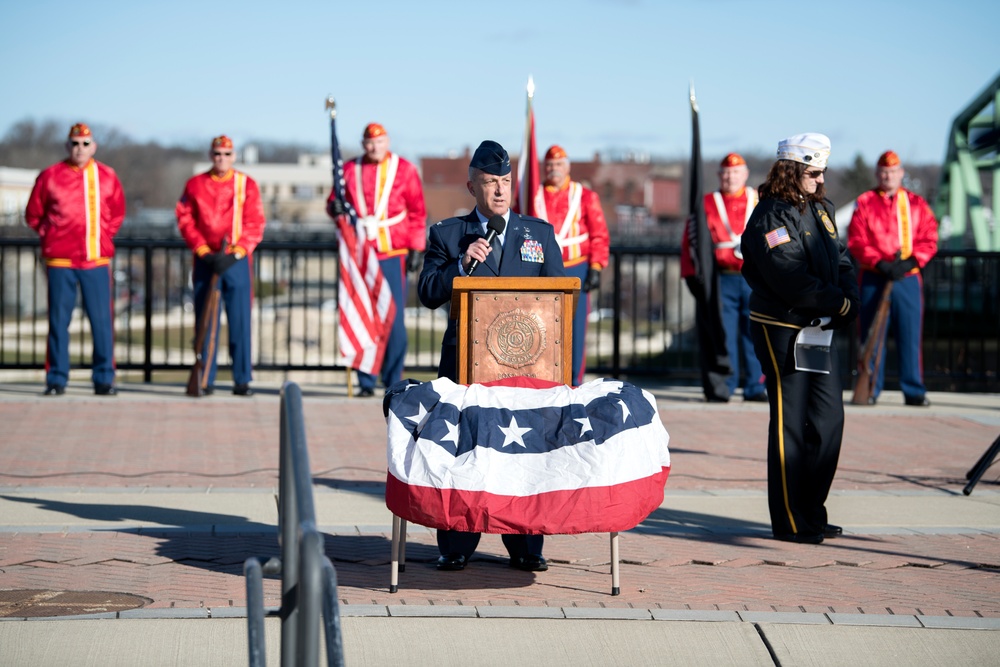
<point x="736" y="212"/>
<point x="214" y="208"/>
<point x="585" y="237"/>
<point x="394" y="222"/>
<point x="77" y="213"/>
<point x="874" y="233"/>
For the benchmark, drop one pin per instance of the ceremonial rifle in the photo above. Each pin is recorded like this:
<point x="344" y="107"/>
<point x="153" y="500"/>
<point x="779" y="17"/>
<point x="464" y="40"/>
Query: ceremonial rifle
<point x="209" y="327"/>
<point x="867" y="375"/>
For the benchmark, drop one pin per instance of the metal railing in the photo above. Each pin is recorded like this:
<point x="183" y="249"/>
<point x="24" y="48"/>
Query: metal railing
<point x="641" y="320"/>
<point x="308" y="578"/>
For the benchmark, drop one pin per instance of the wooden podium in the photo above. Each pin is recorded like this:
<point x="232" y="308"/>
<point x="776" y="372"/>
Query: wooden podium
<point x="510" y="327"/>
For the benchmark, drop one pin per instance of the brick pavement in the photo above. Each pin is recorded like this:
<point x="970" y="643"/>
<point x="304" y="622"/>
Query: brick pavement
<point x="155" y="437"/>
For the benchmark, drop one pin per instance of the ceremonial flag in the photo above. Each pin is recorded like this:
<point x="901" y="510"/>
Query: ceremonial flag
<point x="528" y="178"/>
<point x="525" y="456"/>
<point x="364" y="299"/>
<point x="712" y="333"/>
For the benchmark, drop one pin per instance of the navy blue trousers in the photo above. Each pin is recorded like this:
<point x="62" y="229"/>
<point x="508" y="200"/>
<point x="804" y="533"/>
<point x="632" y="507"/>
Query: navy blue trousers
<point x="95" y="288"/>
<point x="906" y="319"/>
<point x="236" y="285"/>
<point x="734" y="297"/>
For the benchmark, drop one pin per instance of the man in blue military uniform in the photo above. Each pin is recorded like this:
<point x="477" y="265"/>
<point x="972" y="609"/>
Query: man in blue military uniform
<point x="529" y="249"/>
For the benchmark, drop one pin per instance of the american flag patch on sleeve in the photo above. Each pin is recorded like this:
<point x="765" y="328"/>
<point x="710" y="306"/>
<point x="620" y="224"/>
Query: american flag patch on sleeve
<point x="776" y="237"/>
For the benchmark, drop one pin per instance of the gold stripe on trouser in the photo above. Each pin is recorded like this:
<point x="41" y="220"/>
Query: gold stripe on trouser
<point x="781" y="429"/>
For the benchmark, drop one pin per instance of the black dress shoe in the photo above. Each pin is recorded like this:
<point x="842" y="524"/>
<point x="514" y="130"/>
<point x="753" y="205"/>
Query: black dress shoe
<point x="451" y="562"/>
<point x="242" y="390"/>
<point x="55" y="389"/>
<point x="533" y="563"/>
<point x="799" y="538"/>
<point x="105" y="390"/>
<point x="365" y="392"/>
<point x="917" y="401"/>
<point x="830" y="530"/>
<point x="756" y="398"/>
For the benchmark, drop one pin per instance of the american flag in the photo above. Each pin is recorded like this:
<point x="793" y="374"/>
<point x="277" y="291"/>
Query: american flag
<point x="525" y="456"/>
<point x="528" y="178"/>
<point x="364" y="298"/>
<point x="776" y="237"/>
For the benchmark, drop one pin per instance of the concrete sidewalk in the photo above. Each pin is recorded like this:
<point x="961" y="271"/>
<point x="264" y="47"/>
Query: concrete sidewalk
<point x="159" y="496"/>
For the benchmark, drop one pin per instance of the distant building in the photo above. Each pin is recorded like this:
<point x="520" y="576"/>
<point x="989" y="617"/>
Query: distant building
<point x="15" y="188"/>
<point x="640" y="199"/>
<point x="295" y="194"/>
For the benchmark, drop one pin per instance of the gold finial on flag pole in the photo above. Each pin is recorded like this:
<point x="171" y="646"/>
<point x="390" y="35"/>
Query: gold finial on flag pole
<point x="332" y="106"/>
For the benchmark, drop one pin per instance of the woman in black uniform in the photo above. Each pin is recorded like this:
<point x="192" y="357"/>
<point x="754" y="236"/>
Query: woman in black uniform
<point x="800" y="273"/>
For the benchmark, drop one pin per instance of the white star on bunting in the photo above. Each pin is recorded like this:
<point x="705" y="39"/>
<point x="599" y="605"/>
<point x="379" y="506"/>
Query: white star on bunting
<point x="513" y="433"/>
<point x="625" y="411"/>
<point x="452" y="435"/>
<point x="419" y="418"/>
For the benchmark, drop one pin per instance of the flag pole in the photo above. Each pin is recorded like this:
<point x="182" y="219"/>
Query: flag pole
<point x="331" y="106"/>
<point x="714" y="356"/>
<point x="528" y="179"/>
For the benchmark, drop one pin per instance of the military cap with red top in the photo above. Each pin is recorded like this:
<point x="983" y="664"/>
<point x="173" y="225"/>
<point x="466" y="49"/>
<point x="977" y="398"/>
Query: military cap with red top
<point x="888" y="159"/>
<point x="556" y="152"/>
<point x="79" y="130"/>
<point x="373" y="130"/>
<point x="733" y="160"/>
<point x="222" y="141"/>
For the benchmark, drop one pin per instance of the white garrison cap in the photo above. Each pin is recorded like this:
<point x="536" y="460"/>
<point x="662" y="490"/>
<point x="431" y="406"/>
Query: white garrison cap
<point x="810" y="148"/>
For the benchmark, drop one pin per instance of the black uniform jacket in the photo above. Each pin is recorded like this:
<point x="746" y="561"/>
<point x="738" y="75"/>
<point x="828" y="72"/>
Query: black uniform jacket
<point x="529" y="250"/>
<point x="796" y="266"/>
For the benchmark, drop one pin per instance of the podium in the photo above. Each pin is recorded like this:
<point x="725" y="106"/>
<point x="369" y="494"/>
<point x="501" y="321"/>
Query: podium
<point x="509" y="327"/>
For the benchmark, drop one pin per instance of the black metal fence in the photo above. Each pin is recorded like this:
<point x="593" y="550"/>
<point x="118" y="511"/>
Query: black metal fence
<point x="641" y="322"/>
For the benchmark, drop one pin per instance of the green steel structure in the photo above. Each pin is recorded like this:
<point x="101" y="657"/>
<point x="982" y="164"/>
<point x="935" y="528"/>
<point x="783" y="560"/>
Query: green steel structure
<point x="970" y="176"/>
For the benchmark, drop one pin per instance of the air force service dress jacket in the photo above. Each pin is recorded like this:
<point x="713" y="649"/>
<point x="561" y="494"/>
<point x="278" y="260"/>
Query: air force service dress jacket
<point x="529" y="250"/>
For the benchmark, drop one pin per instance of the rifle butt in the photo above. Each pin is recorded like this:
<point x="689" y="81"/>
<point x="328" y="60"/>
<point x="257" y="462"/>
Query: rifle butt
<point x="194" y="387"/>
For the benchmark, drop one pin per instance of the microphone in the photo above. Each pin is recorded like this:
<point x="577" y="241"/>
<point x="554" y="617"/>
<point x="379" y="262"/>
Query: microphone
<point x="494" y="228"/>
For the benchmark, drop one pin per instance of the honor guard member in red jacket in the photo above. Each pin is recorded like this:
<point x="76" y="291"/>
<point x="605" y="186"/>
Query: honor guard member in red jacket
<point x="221" y="218"/>
<point x="386" y="193"/>
<point x="77" y="206"/>
<point x="799" y="273"/>
<point x="726" y="212"/>
<point x="575" y="213"/>
<point x="893" y="235"/>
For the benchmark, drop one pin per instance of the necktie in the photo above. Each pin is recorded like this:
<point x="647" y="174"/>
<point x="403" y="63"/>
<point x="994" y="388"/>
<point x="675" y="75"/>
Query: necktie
<point x="497" y="251"/>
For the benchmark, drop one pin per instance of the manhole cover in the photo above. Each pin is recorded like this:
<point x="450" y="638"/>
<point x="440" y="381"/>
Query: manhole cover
<point x="38" y="604"/>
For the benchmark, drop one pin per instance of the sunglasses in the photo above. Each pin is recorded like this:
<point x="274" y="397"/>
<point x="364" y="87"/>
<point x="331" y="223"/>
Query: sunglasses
<point x="220" y="153"/>
<point x="815" y="174"/>
<point x="85" y="142"/>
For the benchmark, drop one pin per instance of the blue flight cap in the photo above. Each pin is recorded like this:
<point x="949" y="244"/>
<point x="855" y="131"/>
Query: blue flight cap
<point x="491" y="158"/>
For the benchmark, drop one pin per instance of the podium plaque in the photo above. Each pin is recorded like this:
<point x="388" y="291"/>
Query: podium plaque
<point x="510" y="327"/>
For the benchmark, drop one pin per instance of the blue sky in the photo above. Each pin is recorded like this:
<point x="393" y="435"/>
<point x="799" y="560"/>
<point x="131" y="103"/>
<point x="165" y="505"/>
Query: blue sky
<point x="444" y="75"/>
